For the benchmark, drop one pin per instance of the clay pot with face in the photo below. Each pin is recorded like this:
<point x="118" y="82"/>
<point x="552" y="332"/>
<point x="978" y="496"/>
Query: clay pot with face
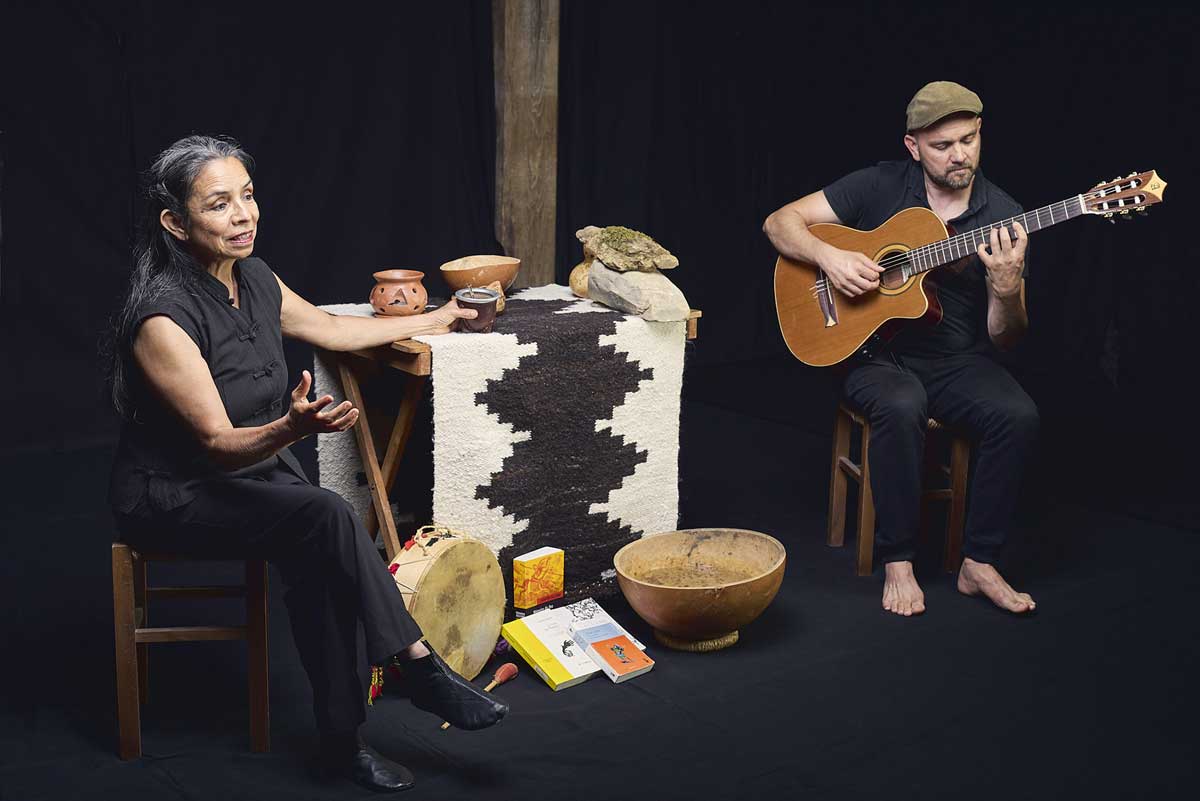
<point x="399" y="292"/>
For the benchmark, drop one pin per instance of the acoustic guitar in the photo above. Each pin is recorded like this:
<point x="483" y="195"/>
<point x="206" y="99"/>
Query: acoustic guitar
<point x="822" y="326"/>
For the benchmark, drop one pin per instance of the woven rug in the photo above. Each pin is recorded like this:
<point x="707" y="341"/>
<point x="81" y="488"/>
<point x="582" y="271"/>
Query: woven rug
<point x="559" y="428"/>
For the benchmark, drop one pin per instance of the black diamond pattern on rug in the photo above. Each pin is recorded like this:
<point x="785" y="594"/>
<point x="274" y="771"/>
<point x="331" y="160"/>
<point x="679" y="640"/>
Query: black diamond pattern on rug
<point x="553" y="478"/>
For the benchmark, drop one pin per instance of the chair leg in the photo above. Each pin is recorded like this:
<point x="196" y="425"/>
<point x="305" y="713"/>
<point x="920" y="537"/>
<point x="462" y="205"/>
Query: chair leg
<point x="866" y="509"/>
<point x="256" y="650"/>
<point x="960" y="459"/>
<point x="128" y="713"/>
<point x="143" y="649"/>
<point x="931" y="468"/>
<point x="837" y="480"/>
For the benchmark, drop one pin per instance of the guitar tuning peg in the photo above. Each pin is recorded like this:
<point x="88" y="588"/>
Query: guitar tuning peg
<point x="1143" y="210"/>
<point x="1109" y="217"/>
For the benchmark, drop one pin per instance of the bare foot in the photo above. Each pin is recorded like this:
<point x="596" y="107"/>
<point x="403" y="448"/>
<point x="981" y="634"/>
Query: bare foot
<point x="901" y="593"/>
<point x="979" y="578"/>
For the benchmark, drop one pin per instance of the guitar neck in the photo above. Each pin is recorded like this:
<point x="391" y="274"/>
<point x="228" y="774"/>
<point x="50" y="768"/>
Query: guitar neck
<point x="959" y="246"/>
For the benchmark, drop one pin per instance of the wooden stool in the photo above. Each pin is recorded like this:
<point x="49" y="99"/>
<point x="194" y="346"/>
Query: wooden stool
<point x="843" y="467"/>
<point x="131" y="599"/>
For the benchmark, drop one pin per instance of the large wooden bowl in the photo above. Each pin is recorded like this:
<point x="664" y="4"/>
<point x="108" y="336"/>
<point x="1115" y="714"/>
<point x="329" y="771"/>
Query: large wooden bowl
<point x="471" y="271"/>
<point x="697" y="587"/>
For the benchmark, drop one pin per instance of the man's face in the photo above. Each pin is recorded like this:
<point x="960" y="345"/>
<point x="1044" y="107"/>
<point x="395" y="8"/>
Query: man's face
<point x="948" y="150"/>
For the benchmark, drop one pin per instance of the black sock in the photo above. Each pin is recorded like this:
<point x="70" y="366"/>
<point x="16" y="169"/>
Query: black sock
<point x="421" y="666"/>
<point x="404" y="662"/>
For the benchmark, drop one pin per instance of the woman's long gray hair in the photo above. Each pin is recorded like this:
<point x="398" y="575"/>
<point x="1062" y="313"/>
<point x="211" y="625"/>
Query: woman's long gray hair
<point x="161" y="263"/>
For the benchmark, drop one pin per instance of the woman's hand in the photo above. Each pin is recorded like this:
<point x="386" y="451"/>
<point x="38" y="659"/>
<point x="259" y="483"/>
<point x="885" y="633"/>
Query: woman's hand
<point x="307" y="417"/>
<point x="442" y="321"/>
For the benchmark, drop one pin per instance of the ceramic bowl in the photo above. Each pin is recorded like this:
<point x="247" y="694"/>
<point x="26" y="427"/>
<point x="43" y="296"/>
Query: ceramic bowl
<point x="471" y="271"/>
<point x="398" y="292"/>
<point x="697" y="587"/>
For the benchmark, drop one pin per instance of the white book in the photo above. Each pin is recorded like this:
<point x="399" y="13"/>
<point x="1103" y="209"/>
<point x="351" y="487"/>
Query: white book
<point x="589" y="623"/>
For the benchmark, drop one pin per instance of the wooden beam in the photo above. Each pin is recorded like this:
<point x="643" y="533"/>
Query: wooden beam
<point x="525" y="54"/>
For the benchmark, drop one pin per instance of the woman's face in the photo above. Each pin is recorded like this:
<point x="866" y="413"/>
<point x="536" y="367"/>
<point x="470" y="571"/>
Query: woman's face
<point x="223" y="217"/>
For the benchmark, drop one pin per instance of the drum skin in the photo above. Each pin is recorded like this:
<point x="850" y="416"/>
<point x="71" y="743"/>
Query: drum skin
<point x="453" y="588"/>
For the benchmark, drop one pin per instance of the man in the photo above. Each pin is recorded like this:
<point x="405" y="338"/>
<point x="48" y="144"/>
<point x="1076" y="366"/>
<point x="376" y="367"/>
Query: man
<point x="944" y="370"/>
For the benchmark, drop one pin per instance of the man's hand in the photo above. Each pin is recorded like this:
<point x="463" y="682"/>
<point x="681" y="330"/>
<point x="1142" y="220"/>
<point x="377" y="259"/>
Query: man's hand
<point x="307" y="417"/>
<point x="1006" y="261"/>
<point x="850" y="272"/>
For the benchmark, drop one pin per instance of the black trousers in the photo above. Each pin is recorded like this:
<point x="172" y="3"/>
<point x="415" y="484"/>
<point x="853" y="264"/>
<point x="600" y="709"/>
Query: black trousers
<point x="335" y="579"/>
<point x="970" y="392"/>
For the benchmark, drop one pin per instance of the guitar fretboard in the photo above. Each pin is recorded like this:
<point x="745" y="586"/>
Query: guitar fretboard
<point x="956" y="247"/>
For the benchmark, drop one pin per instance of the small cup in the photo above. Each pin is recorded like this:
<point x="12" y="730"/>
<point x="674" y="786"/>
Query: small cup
<point x="483" y="301"/>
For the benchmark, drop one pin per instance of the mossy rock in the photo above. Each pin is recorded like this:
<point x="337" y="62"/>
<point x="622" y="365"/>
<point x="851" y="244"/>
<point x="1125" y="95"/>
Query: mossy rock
<point x="624" y="249"/>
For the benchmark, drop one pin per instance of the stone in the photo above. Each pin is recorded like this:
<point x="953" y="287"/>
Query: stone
<point x="579" y="278"/>
<point x="648" y="294"/>
<point x="625" y="250"/>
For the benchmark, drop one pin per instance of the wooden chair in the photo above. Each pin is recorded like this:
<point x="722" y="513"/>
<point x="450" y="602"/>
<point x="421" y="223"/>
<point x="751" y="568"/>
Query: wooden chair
<point x="133" y="635"/>
<point x="843" y="468"/>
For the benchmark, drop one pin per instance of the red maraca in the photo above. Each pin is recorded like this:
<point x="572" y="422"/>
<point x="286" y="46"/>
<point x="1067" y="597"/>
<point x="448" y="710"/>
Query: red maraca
<point x="505" y="672"/>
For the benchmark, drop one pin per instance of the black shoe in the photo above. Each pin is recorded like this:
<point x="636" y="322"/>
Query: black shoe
<point x="368" y="768"/>
<point x="435" y="688"/>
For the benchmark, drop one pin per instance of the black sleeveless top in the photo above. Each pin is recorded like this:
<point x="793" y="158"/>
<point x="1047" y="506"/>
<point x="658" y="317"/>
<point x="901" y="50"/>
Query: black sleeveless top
<point x="159" y="461"/>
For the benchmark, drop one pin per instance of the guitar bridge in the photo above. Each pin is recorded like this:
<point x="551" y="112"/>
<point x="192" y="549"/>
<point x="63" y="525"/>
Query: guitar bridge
<point x="823" y="291"/>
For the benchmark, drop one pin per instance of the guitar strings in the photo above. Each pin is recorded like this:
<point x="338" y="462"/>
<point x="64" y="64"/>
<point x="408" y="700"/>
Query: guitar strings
<point x="894" y="261"/>
<point x="943" y="246"/>
<point x="961" y="240"/>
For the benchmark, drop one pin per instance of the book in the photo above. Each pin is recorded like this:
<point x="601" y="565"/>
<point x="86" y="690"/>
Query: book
<point x="619" y="658"/>
<point x="544" y="641"/>
<point x="537" y="579"/>
<point x="589" y="622"/>
<point x="554" y="641"/>
<point x="519" y="613"/>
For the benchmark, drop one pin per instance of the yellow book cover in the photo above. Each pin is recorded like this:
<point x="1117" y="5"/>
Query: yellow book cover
<point x="542" y="640"/>
<point x="537" y="577"/>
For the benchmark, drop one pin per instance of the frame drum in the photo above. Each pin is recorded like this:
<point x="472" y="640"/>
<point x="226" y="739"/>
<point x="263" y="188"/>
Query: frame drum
<point x="452" y="587"/>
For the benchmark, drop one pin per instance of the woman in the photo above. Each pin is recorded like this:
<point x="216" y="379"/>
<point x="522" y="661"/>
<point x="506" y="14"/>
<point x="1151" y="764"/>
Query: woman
<point x="203" y="466"/>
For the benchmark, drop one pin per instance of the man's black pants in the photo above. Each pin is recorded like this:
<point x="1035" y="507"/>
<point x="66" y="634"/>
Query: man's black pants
<point x="333" y="572"/>
<point x="969" y="392"/>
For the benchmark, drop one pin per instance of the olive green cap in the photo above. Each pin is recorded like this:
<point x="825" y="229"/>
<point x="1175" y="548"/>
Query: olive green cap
<point x="940" y="99"/>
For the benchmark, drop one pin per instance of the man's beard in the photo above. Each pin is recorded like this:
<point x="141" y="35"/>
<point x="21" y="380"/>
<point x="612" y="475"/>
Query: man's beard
<point x="959" y="179"/>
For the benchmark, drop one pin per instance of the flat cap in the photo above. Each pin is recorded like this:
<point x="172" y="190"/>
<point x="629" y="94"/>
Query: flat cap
<point x="940" y="99"/>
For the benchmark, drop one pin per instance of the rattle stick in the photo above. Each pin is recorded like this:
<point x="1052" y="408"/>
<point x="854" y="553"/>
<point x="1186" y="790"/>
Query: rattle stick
<point x="503" y="674"/>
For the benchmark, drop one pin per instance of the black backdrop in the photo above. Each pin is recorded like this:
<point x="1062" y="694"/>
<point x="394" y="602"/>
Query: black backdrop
<point x="711" y="117"/>
<point x="695" y="122"/>
<point x="374" y="132"/>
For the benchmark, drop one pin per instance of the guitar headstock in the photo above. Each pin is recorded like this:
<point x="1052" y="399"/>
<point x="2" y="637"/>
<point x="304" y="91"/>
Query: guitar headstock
<point x="1114" y="199"/>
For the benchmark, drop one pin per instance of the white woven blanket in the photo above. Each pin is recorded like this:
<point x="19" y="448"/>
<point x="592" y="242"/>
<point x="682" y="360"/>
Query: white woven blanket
<point x="559" y="428"/>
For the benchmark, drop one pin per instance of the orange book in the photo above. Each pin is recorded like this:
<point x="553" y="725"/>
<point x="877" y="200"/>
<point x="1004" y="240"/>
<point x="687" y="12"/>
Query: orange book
<point x="619" y="658"/>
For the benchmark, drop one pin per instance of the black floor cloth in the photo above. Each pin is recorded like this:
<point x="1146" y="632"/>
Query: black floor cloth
<point x="826" y="696"/>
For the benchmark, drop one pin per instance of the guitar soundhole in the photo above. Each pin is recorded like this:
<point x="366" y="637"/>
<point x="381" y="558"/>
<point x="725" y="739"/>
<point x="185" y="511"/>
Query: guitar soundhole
<point x="897" y="271"/>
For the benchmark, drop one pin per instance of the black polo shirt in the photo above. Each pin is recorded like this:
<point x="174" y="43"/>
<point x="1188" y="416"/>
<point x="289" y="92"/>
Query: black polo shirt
<point x="158" y="459"/>
<point x="869" y="197"/>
